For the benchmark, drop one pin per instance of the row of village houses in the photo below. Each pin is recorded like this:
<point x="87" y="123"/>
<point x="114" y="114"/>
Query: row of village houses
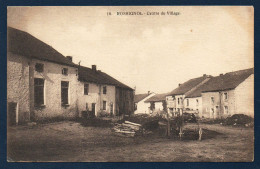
<point x="42" y="84"/>
<point x="207" y="96"/>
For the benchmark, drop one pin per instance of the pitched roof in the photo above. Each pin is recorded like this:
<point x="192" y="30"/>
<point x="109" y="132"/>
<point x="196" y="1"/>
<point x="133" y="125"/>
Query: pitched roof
<point x="157" y="98"/>
<point x="139" y="97"/>
<point x="188" y="85"/>
<point x="22" y="43"/>
<point x="96" y="76"/>
<point x="227" y="81"/>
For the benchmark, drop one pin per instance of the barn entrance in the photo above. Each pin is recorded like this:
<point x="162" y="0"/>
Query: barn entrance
<point x="12" y="113"/>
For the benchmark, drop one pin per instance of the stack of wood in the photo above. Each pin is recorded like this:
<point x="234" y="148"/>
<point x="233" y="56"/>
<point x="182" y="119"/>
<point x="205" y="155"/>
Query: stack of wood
<point x="128" y="129"/>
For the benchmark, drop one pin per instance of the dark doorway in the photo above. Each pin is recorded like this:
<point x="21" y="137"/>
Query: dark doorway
<point x="111" y="109"/>
<point x="11" y="116"/>
<point x="93" y="109"/>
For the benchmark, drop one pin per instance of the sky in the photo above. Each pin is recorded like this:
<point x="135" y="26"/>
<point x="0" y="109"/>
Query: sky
<point x="147" y="52"/>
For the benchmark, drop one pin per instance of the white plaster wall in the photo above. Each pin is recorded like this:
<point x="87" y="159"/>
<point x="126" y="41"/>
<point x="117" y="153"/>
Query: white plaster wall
<point x="244" y="97"/>
<point x="52" y="90"/>
<point x="143" y="107"/>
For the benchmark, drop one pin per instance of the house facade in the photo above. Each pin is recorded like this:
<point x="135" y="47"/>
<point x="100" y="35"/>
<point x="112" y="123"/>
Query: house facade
<point x="41" y="82"/>
<point x="179" y="100"/>
<point x="229" y="94"/>
<point x="103" y="95"/>
<point x="157" y="103"/>
<point x="142" y="107"/>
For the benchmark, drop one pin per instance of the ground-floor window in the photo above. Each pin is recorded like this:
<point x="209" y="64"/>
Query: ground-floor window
<point x="104" y="105"/>
<point x="226" y="109"/>
<point x="64" y="92"/>
<point x="38" y="91"/>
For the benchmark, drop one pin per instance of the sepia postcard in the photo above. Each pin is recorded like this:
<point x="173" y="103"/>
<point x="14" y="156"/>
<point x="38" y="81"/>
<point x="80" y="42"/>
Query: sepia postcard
<point x="130" y="84"/>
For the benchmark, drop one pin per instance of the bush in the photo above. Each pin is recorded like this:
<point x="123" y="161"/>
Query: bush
<point x="239" y="119"/>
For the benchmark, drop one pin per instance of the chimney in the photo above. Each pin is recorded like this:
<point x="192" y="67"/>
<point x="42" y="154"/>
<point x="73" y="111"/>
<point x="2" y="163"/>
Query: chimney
<point x="69" y="57"/>
<point x="94" y="67"/>
<point x="179" y="84"/>
<point x="204" y="75"/>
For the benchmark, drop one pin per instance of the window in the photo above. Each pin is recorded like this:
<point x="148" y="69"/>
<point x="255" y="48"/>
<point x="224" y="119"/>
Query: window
<point x="86" y="87"/>
<point x="226" y="109"/>
<point x="104" y="90"/>
<point x="187" y="102"/>
<point x="64" y="92"/>
<point x="104" y="105"/>
<point x="38" y="91"/>
<point x="178" y="100"/>
<point x="65" y="71"/>
<point x="225" y="96"/>
<point x="212" y="100"/>
<point x="197" y="101"/>
<point x="39" y="67"/>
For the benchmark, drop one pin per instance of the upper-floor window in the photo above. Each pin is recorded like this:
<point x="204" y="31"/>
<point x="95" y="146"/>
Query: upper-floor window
<point x="64" y="92"/>
<point x="178" y="100"/>
<point x="212" y="100"/>
<point x="38" y="92"/>
<point x="197" y="102"/>
<point x="86" y="89"/>
<point x="104" y="90"/>
<point x="39" y="67"/>
<point x="225" y="96"/>
<point x="65" y="71"/>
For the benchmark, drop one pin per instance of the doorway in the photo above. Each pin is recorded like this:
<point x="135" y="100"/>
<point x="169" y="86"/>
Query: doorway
<point x="93" y="108"/>
<point x="111" y="109"/>
<point x="12" y="116"/>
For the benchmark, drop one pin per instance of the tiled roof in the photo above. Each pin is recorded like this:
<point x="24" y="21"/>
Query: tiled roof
<point x="188" y="85"/>
<point x="139" y="97"/>
<point x="22" y="43"/>
<point x="157" y="98"/>
<point x="95" y="76"/>
<point x="227" y="81"/>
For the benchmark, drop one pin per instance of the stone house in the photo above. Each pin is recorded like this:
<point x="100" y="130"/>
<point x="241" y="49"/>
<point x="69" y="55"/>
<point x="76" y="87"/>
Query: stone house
<point x="142" y="107"/>
<point x="103" y="95"/>
<point x="41" y="82"/>
<point x="228" y="94"/>
<point x="177" y="101"/>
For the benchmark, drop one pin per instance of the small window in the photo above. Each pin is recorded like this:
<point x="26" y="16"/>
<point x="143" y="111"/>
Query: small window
<point x="39" y="67"/>
<point x="104" y="90"/>
<point x="225" y="96"/>
<point x="65" y="71"/>
<point x="212" y="100"/>
<point x="178" y="100"/>
<point x="64" y="93"/>
<point x="104" y="105"/>
<point x="38" y="92"/>
<point x="86" y="88"/>
<point x="187" y="102"/>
